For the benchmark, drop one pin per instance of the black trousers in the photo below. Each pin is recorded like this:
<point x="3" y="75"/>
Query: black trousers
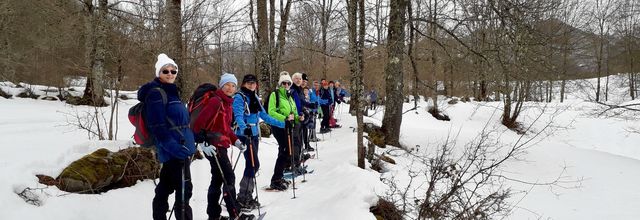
<point x="325" y="117"/>
<point x="305" y="135"/>
<point x="171" y="179"/>
<point x="284" y="159"/>
<point x="228" y="189"/>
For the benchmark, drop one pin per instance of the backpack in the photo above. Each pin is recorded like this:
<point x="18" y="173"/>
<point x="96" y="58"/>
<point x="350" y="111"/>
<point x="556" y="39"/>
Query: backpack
<point x="266" y="101"/>
<point x="137" y="117"/>
<point x="199" y="99"/>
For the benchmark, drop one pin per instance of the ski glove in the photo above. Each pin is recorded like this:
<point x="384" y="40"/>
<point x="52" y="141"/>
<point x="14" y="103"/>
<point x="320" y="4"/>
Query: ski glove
<point x="247" y="132"/>
<point x="209" y="151"/>
<point x="288" y="124"/>
<point x="239" y="145"/>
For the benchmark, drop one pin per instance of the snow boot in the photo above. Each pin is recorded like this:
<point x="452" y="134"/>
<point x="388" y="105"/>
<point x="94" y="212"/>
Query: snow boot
<point x="280" y="185"/>
<point x="308" y="148"/>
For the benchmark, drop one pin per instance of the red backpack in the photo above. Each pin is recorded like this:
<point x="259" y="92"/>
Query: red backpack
<point x="197" y="102"/>
<point x="142" y="136"/>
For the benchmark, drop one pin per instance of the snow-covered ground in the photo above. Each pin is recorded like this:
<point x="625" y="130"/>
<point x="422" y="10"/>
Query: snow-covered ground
<point x="599" y="157"/>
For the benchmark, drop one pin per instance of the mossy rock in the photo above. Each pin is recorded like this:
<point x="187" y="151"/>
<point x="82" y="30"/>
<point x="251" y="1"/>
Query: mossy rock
<point x="91" y="173"/>
<point x="104" y="170"/>
<point x="265" y="130"/>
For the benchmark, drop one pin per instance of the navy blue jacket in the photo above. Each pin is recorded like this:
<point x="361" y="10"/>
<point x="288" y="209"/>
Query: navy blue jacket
<point x="171" y="142"/>
<point x="325" y="97"/>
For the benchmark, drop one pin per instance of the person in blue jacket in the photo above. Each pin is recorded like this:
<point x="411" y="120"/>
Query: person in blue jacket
<point x="168" y="121"/>
<point x="247" y="112"/>
<point x="325" y="100"/>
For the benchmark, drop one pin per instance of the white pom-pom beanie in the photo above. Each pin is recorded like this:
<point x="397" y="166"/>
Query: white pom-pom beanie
<point x="284" y="77"/>
<point x="164" y="60"/>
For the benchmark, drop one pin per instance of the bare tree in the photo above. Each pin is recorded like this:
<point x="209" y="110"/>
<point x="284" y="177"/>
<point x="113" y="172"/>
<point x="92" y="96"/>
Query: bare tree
<point x="628" y="28"/>
<point x="356" y="26"/>
<point x="394" y="73"/>
<point x="96" y="47"/>
<point x="262" y="36"/>
<point x="603" y="13"/>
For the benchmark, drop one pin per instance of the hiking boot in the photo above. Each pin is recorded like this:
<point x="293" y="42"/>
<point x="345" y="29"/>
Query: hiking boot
<point x="309" y="149"/>
<point x="324" y="130"/>
<point x="279" y="185"/>
<point x="305" y="157"/>
<point x="315" y="139"/>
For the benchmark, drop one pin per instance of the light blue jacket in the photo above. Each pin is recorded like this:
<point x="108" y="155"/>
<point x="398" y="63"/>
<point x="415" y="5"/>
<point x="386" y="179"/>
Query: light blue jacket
<point x="244" y="118"/>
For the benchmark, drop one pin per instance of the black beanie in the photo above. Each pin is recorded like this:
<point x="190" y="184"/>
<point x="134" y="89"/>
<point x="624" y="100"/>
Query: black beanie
<point x="249" y="78"/>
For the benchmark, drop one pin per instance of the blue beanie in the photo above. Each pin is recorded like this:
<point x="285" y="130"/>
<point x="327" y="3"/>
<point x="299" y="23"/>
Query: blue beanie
<point x="227" y="77"/>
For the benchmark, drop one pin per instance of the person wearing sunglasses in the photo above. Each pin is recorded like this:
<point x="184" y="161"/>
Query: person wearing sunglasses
<point x="282" y="107"/>
<point x="168" y="121"/>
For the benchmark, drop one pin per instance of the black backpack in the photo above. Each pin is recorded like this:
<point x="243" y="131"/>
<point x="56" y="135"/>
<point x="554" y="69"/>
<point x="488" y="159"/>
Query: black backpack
<point x="266" y="101"/>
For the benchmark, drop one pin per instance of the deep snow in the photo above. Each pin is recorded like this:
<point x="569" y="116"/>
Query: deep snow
<point x="597" y="158"/>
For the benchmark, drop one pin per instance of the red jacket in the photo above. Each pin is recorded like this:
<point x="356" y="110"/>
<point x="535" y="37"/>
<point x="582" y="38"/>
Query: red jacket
<point x="218" y="113"/>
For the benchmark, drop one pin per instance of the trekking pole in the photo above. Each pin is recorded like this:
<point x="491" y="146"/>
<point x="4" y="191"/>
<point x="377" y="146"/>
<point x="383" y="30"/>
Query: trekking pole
<point x="315" y="123"/>
<point x="289" y="131"/>
<point x="237" y="159"/>
<point x="255" y="179"/>
<point x="184" y="167"/>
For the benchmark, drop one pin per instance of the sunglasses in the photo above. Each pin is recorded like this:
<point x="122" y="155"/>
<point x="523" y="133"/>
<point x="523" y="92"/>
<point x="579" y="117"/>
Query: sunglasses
<point x="174" y="72"/>
<point x="286" y="83"/>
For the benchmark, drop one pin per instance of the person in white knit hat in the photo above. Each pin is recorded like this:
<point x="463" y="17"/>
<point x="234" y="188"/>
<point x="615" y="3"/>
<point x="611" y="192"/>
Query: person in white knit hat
<point x="282" y="107"/>
<point x="174" y="142"/>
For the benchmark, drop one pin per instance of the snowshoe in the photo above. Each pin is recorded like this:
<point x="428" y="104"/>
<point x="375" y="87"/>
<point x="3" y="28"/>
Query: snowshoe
<point x="249" y="204"/>
<point x="244" y="216"/>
